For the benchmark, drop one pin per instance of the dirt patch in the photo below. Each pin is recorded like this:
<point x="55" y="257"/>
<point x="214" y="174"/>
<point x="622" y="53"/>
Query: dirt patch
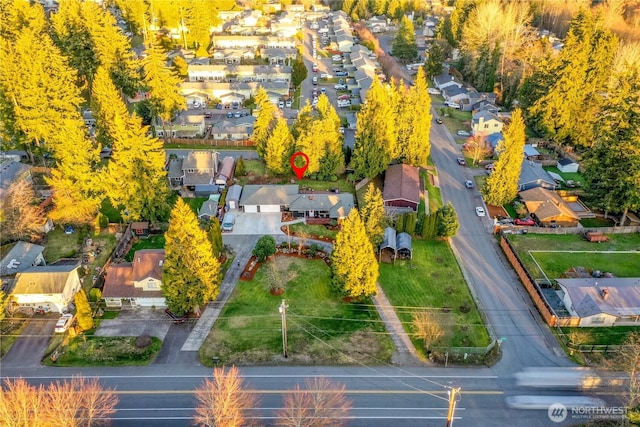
<point x="253" y="265"/>
<point x="496" y="211"/>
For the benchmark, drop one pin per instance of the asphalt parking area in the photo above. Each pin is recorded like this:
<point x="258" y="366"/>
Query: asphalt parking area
<point x="256" y="223"/>
<point x="136" y="322"/>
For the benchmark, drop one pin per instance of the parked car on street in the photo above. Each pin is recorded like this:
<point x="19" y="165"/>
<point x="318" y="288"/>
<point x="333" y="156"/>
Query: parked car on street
<point x="63" y="323"/>
<point x="480" y="211"/>
<point x="463" y="133"/>
<point x="288" y="103"/>
<point x="342" y="74"/>
<point x="461" y="161"/>
<point x="314" y="80"/>
<point x="340" y="87"/>
<point x="439" y="121"/>
<point x="468" y="183"/>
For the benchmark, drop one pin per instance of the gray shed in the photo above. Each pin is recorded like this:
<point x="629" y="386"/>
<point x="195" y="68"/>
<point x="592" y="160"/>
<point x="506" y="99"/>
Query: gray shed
<point x="404" y="246"/>
<point x="389" y="242"/>
<point x="233" y="196"/>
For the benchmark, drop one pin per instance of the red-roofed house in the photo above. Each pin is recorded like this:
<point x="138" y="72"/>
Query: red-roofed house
<point x="401" y="191"/>
<point x="138" y="283"/>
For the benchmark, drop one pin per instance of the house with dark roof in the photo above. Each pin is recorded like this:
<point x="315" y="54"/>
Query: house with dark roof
<point x="533" y="175"/>
<point x="322" y="206"/>
<point x="199" y="170"/>
<point x="455" y="94"/>
<point x="137" y="283"/>
<point x="602" y="301"/>
<point x="12" y="171"/>
<point x="401" y="190"/>
<point x="50" y="288"/>
<point x="21" y="257"/>
<point x="549" y="207"/>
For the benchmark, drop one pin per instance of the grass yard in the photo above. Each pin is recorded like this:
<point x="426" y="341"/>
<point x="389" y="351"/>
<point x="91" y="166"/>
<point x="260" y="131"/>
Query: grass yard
<point x="110" y="212"/>
<point x="105" y="351"/>
<point x="155" y="241"/>
<point x="432" y="279"/>
<point x="322" y="329"/>
<point x="435" y="199"/>
<point x="621" y="264"/>
<point x="315" y="230"/>
<point x="341" y="184"/>
<point x="195" y="203"/>
<point x="60" y="245"/>
<point x="599" y="336"/>
<point x="573" y="176"/>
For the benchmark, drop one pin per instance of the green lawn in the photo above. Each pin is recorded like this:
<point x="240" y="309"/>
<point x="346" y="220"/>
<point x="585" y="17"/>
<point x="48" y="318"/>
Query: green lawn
<point x="322" y="329"/>
<point x="110" y="212"/>
<point x="195" y="203"/>
<point x="60" y="245"/>
<point x="105" y="351"/>
<point x="621" y="264"/>
<point x="155" y="241"/>
<point x="574" y="176"/>
<point x="342" y="184"/>
<point x="315" y="230"/>
<point x="600" y="336"/>
<point x="432" y="279"/>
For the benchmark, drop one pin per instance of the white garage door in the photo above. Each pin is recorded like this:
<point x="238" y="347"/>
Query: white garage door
<point x="251" y="208"/>
<point x="269" y="208"/>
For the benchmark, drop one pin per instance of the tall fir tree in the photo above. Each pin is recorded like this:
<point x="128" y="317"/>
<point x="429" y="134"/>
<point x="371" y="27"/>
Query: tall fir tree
<point x="414" y="144"/>
<point x="162" y="84"/>
<point x="373" y="215"/>
<point x="83" y="311"/>
<point x="190" y="273"/>
<point x="404" y="44"/>
<point x="433" y="64"/>
<point x="136" y="180"/>
<point x="332" y="161"/>
<point x="264" y="122"/>
<point x="215" y="237"/>
<point x="354" y="267"/>
<point x="307" y="132"/>
<point x="502" y="185"/>
<point x="279" y="148"/>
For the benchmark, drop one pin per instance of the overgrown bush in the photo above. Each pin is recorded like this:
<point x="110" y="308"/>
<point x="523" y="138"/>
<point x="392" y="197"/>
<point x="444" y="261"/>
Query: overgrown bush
<point x="95" y="295"/>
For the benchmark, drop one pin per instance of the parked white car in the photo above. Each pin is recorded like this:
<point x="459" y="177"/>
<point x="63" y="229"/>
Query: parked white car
<point x="340" y="87"/>
<point x="433" y="91"/>
<point x="452" y="105"/>
<point x="480" y="211"/>
<point x="63" y="323"/>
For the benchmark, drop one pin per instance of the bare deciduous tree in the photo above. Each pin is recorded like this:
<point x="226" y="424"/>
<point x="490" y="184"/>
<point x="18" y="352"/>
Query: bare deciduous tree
<point x="427" y="327"/>
<point x="628" y="360"/>
<point x="321" y="404"/>
<point x="21" y="404"/>
<point x="477" y="148"/>
<point x="20" y="214"/>
<point x="278" y="274"/>
<point x="224" y="401"/>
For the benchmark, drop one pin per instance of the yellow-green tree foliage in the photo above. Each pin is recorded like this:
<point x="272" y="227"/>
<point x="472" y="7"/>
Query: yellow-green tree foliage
<point x="191" y="273"/>
<point x="279" y="148"/>
<point x="135" y="179"/>
<point x="332" y="162"/>
<point x="264" y="122"/>
<point x="162" y="84"/>
<point x="414" y="143"/>
<point x="305" y="132"/>
<point x="354" y="266"/>
<point x="215" y="237"/>
<point x="502" y="185"/>
<point x="373" y="215"/>
<point x="83" y="311"/>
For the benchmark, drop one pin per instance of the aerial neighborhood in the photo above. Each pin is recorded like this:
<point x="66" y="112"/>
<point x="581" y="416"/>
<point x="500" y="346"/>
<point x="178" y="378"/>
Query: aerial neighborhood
<point x="236" y="185"/>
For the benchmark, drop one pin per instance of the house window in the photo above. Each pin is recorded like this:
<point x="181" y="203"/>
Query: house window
<point x="191" y="171"/>
<point x="151" y="284"/>
<point x="486" y="126"/>
<point x="597" y="320"/>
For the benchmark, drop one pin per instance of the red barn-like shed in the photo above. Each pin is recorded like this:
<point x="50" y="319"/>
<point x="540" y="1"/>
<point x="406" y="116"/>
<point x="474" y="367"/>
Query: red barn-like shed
<point x="401" y="188"/>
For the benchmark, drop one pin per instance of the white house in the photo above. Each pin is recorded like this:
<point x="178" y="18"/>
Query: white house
<point x="602" y="301"/>
<point x="485" y="123"/>
<point x="137" y="283"/>
<point x="50" y="288"/>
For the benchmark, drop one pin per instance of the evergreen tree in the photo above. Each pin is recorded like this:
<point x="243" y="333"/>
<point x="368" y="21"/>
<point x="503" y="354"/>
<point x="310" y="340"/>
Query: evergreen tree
<point x="404" y="44"/>
<point x="279" y="148"/>
<point x="445" y="32"/>
<point x="265" y="247"/>
<point x="433" y="65"/>
<point x="330" y="138"/>
<point x="410" y="220"/>
<point x="215" y="237"/>
<point x="199" y="17"/>
<point x="136" y="180"/>
<point x="308" y="131"/>
<point x="83" y="311"/>
<point x="354" y="266"/>
<point x="502" y="185"/>
<point x="375" y="133"/>
<point x="162" y="84"/>
<point x="241" y="168"/>
<point x="447" y="221"/>
<point x="299" y="72"/>
<point x="264" y="122"/>
<point x="373" y="215"/>
<point x="461" y="11"/>
<point x="191" y="273"/>
<point x="612" y="165"/>
<point x="415" y="118"/>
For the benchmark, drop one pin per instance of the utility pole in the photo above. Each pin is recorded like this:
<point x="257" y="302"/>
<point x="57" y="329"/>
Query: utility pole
<point x="283" y="313"/>
<point x="453" y="399"/>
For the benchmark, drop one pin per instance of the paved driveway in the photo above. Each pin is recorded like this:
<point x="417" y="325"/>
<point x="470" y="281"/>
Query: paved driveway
<point x="29" y="348"/>
<point x="136" y="322"/>
<point x="256" y="223"/>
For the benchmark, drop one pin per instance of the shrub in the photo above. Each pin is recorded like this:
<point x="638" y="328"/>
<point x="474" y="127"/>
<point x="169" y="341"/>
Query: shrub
<point x="447" y="221"/>
<point x="103" y="221"/>
<point x="410" y="219"/>
<point x="95" y="295"/>
<point x="143" y="341"/>
<point x="265" y="247"/>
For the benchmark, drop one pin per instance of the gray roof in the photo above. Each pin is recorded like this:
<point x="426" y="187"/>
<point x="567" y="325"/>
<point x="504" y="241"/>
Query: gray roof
<point x="404" y="242"/>
<point x="443" y="78"/>
<point x="530" y="150"/>
<point x="201" y="160"/>
<point x="234" y="193"/>
<point x="454" y="90"/>
<point x="10" y="172"/>
<point x="175" y="169"/>
<point x="533" y="172"/>
<point x="208" y="208"/>
<point x="338" y="205"/>
<point x="267" y="194"/>
<point x="22" y="252"/>
<point x="389" y="241"/>
<point x="586" y="294"/>
<point x="50" y="279"/>
<point x="566" y="161"/>
<point x="485" y="115"/>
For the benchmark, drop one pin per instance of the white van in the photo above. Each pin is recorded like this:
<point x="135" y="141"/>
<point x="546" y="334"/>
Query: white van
<point x="228" y="221"/>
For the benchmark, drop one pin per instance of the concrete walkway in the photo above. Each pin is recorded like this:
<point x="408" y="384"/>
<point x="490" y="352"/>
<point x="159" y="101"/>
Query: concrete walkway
<point x="405" y="354"/>
<point x="213" y="310"/>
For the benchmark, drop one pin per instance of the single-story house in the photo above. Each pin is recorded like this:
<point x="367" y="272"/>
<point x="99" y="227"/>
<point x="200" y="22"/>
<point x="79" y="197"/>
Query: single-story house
<point x="208" y="210"/>
<point x="51" y="287"/>
<point x="485" y="123"/>
<point x="267" y="198"/>
<point x="231" y="132"/>
<point x="137" y="283"/>
<point x="455" y="94"/>
<point x="549" y="207"/>
<point x="533" y="175"/>
<point x="445" y="80"/>
<point x="567" y="165"/>
<point x="401" y="188"/>
<point x="317" y="205"/>
<point x="21" y="257"/>
<point x="233" y="196"/>
<point x="602" y="301"/>
<point x="184" y="126"/>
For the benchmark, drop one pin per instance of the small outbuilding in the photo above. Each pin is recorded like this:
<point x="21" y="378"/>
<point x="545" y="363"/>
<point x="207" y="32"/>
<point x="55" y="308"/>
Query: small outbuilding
<point x="404" y="246"/>
<point x="567" y="165"/>
<point x="140" y="228"/>
<point x="233" y="196"/>
<point x="389" y="243"/>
